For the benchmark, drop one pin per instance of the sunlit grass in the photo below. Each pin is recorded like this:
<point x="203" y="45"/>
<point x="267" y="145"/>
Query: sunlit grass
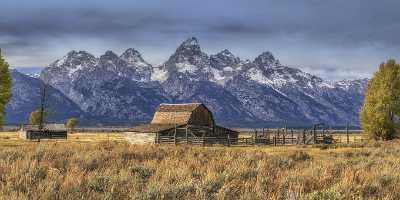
<point x="97" y="166"/>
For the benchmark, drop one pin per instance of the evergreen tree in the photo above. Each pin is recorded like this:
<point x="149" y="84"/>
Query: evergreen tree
<point x="382" y="102"/>
<point x="5" y="87"/>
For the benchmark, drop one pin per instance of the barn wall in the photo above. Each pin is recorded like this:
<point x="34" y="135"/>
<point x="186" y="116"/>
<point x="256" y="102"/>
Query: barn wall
<point x="140" y="138"/>
<point x="202" y="116"/>
<point x="36" y="134"/>
<point x="223" y="132"/>
<point x="22" y="134"/>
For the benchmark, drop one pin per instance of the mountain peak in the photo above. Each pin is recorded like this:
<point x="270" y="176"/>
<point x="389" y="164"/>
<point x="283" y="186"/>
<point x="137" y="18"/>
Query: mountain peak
<point x="188" y="54"/>
<point x="109" y="55"/>
<point x="192" y="41"/>
<point x="226" y="53"/>
<point x="224" y="59"/>
<point x="266" y="59"/>
<point x="131" y="51"/>
<point x="81" y="54"/>
<point x="75" y="58"/>
<point x="132" y="56"/>
<point x="189" y="45"/>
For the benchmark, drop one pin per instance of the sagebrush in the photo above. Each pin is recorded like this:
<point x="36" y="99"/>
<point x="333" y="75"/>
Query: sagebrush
<point x="117" y="170"/>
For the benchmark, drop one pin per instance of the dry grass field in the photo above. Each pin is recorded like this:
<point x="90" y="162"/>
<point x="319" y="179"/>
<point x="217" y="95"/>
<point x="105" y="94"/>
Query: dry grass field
<point x="101" y="166"/>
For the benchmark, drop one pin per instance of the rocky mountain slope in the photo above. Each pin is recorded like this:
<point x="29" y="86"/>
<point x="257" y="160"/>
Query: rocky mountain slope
<point x="26" y="97"/>
<point x="110" y="88"/>
<point x="126" y="88"/>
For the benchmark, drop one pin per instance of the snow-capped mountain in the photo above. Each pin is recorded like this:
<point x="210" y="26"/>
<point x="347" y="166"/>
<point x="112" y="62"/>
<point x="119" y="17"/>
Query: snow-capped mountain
<point x="262" y="91"/>
<point x="111" y="88"/>
<point x="191" y="78"/>
<point x="30" y="71"/>
<point x="26" y="97"/>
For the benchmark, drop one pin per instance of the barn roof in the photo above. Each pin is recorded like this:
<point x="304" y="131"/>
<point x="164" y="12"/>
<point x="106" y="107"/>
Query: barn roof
<point x="174" y="113"/>
<point x="153" y="128"/>
<point x="187" y="107"/>
<point x="51" y="127"/>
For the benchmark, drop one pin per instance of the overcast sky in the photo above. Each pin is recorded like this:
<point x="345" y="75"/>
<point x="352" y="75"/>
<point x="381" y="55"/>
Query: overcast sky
<point x="333" y="39"/>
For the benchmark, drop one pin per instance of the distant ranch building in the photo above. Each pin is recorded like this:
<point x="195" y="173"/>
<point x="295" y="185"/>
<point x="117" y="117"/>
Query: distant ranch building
<point x="181" y="123"/>
<point x="49" y="131"/>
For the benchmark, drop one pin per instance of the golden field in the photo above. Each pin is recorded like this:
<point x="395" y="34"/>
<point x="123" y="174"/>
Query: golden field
<point x="102" y="166"/>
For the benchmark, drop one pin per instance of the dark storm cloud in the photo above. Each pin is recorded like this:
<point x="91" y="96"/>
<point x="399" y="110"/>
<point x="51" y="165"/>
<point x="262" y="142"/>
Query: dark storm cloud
<point x="346" y="34"/>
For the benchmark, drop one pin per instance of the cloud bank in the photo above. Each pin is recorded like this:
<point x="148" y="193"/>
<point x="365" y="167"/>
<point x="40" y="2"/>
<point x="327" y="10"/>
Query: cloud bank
<point x="334" y="39"/>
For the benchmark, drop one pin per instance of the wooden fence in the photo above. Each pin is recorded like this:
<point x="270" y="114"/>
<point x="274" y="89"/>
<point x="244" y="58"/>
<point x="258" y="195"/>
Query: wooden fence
<point x="276" y="137"/>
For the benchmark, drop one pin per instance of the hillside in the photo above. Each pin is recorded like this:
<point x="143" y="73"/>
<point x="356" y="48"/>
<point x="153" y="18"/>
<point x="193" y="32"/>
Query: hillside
<point x="26" y="96"/>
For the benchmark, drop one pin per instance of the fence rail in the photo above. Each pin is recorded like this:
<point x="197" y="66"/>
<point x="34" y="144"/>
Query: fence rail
<point x="268" y="137"/>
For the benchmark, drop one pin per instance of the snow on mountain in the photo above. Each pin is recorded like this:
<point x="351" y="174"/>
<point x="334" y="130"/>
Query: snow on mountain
<point x="110" y="88"/>
<point x="159" y="74"/>
<point x="27" y="96"/>
<point x="188" y="58"/>
<point x="260" y="91"/>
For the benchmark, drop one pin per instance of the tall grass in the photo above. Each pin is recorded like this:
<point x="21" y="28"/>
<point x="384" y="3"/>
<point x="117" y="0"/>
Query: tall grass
<point x="51" y="170"/>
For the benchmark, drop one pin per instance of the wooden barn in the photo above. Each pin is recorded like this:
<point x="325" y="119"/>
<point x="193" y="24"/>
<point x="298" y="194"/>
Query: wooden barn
<point x="181" y="123"/>
<point x="48" y="131"/>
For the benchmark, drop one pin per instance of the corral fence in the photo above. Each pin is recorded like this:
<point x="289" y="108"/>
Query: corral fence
<point x="275" y="137"/>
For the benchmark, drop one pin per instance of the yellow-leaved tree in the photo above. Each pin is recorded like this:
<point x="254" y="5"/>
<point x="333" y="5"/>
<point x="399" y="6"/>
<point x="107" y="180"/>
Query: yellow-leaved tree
<point x="35" y="117"/>
<point x="379" y="114"/>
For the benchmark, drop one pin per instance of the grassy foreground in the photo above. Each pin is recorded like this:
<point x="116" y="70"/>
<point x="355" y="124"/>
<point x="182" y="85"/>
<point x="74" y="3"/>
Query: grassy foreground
<point x="90" y="166"/>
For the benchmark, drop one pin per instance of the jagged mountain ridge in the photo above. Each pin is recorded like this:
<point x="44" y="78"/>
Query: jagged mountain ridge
<point x="26" y="97"/>
<point x="111" y="88"/>
<point x="127" y="88"/>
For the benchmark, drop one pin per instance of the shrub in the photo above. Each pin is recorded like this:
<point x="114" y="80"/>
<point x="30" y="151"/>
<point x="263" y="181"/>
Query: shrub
<point x="328" y="194"/>
<point x="98" y="183"/>
<point x="142" y="172"/>
<point x="300" y="156"/>
<point x="38" y="173"/>
<point x="10" y="155"/>
<point x="38" y="155"/>
<point x="71" y="123"/>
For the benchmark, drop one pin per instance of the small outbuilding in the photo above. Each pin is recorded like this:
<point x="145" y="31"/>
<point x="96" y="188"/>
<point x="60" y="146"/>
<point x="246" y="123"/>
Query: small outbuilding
<point x="182" y="123"/>
<point x="48" y="131"/>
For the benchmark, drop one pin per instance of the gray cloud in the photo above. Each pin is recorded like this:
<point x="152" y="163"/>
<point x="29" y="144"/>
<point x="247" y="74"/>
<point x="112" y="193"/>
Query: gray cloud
<point x="315" y="35"/>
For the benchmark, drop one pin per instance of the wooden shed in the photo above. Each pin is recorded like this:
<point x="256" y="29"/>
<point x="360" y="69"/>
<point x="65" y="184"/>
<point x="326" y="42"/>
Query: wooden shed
<point x="180" y="123"/>
<point x="49" y="131"/>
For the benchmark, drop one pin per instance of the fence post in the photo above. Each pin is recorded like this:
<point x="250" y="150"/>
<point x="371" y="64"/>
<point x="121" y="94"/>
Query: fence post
<point x="291" y="131"/>
<point x="255" y="136"/>
<point x="285" y="127"/>
<point x="278" y="136"/>
<point x="229" y="141"/>
<point x="284" y="138"/>
<point x="274" y="140"/>
<point x="304" y="136"/>
<point x="315" y="134"/>
<point x="263" y="136"/>
<point x="263" y="133"/>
